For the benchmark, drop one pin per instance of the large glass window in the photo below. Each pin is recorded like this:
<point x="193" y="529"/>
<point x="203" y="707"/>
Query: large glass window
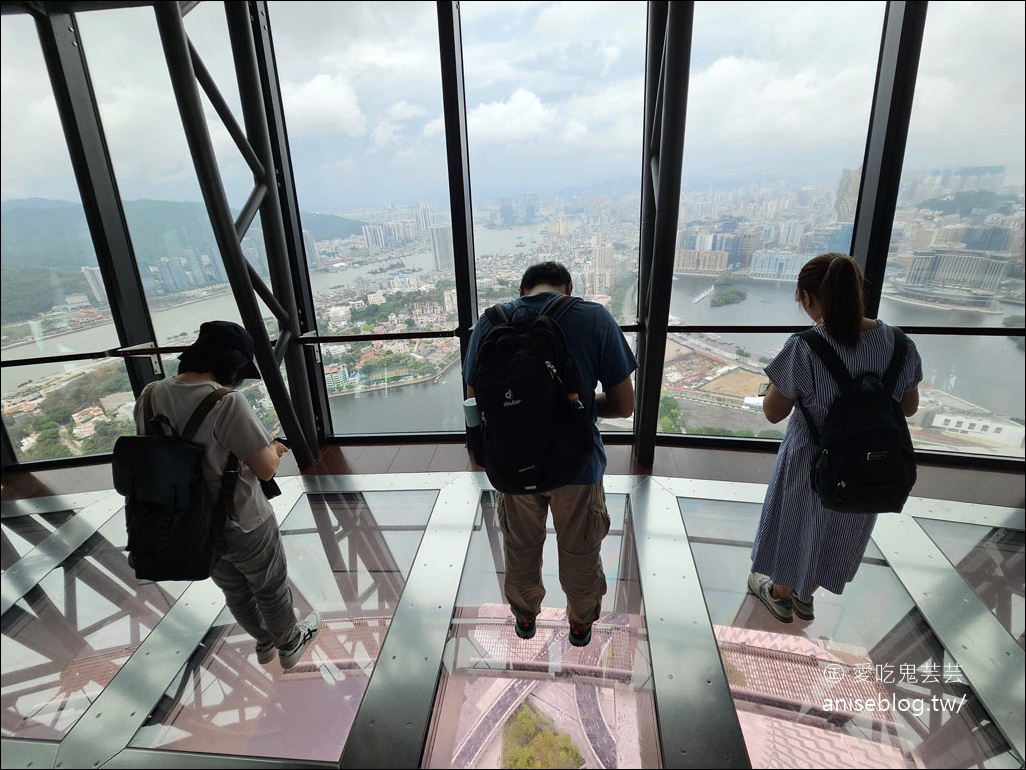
<point x="777" y="115"/>
<point x="956" y="252"/>
<point x="555" y="119"/>
<point x="181" y="267"/>
<point x="361" y="87"/>
<point x="54" y="299"/>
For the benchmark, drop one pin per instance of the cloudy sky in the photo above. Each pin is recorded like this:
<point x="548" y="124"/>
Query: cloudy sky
<point x="554" y="97"/>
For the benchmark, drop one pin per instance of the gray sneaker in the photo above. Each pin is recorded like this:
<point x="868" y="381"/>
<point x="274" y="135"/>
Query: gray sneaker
<point x="803" y="610"/>
<point x="265" y="652"/>
<point x="762" y="586"/>
<point x="309" y="627"/>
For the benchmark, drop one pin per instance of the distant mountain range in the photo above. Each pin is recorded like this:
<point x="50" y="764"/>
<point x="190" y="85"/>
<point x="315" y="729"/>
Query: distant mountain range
<point x="44" y="243"/>
<point x="38" y="233"/>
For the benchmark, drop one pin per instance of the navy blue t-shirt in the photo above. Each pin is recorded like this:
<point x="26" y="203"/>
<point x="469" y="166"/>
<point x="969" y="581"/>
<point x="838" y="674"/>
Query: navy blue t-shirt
<point x="597" y="345"/>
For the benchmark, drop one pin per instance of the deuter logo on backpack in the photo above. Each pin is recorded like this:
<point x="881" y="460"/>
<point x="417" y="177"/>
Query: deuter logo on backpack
<point x="865" y="462"/>
<point x="534" y="434"/>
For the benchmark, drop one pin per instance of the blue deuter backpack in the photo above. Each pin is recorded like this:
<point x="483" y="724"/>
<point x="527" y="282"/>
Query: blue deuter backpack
<point x="865" y="462"/>
<point x="535" y="434"/>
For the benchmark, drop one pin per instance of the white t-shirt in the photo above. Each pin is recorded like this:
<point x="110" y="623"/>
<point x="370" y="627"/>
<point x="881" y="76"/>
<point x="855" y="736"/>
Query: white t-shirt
<point x="231" y="427"/>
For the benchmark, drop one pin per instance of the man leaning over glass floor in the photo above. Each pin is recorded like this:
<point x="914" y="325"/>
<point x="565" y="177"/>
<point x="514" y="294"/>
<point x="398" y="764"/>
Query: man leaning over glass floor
<point x="579" y="512"/>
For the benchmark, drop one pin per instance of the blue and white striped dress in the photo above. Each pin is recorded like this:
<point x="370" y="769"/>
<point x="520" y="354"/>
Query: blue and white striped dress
<point x="800" y="543"/>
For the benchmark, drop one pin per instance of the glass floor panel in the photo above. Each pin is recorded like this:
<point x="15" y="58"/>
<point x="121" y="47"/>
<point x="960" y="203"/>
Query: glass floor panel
<point x="349" y="555"/>
<point x="20" y="534"/>
<point x="866" y="684"/>
<point x="508" y="702"/>
<point x="71" y="633"/>
<point x="990" y="560"/>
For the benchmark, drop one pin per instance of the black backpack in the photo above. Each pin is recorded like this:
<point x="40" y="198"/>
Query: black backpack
<point x="535" y="433"/>
<point x="865" y="462"/>
<point x="175" y="523"/>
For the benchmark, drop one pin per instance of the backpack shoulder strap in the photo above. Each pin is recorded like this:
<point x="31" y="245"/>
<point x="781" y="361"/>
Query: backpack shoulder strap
<point x="829" y="357"/>
<point x="559" y="305"/>
<point x="496" y="315"/>
<point x="890" y="378"/>
<point x="201" y="412"/>
<point x="148" y="405"/>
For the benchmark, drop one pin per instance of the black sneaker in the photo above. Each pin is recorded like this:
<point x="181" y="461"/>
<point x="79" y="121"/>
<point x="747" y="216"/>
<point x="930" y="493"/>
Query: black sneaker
<point x="526" y="630"/>
<point x="309" y="627"/>
<point x="580" y="635"/>
<point x="803" y="610"/>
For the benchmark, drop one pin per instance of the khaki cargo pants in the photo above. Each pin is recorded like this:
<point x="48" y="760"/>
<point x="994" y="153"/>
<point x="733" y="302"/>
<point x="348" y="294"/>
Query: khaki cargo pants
<point x="581" y="521"/>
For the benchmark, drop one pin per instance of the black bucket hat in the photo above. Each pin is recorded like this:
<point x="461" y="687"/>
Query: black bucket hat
<point x="229" y="336"/>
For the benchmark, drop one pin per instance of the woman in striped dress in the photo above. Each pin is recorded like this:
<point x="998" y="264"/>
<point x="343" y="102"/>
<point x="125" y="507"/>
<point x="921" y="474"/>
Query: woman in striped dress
<point x="801" y="546"/>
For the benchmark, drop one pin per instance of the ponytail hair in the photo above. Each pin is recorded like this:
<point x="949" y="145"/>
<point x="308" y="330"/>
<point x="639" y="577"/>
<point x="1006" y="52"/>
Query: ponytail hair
<point x="835" y="280"/>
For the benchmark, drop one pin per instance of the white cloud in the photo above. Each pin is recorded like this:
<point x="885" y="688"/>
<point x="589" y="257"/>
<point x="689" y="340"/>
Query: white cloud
<point x="434" y="127"/>
<point x="324" y="104"/>
<point x="403" y="110"/>
<point x="385" y="133"/>
<point x="522" y="116"/>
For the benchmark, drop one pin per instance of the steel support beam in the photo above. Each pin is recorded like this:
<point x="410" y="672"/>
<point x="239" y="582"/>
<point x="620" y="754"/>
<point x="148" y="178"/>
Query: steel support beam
<point x="289" y="209"/>
<point x="251" y="90"/>
<point x="454" y="109"/>
<point x="885" y="147"/>
<point x="668" y="66"/>
<point x="98" y="189"/>
<point x="183" y="80"/>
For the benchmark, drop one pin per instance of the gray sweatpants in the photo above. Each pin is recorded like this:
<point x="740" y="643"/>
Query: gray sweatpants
<point x="253" y="575"/>
<point x="581" y="521"/>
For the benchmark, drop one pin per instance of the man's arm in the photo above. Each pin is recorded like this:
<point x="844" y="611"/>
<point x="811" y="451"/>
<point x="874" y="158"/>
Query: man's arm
<point x="617" y="401"/>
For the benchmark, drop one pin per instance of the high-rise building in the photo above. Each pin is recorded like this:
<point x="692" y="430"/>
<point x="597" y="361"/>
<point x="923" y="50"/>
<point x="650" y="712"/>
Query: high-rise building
<point x="953" y="278"/>
<point x="312" y="257"/>
<point x="776" y="265"/>
<point x="698" y="262"/>
<point x="95" y="282"/>
<point x="441" y="248"/>
<point x="847" y="197"/>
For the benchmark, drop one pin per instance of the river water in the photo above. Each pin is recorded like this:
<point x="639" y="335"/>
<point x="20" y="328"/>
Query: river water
<point x="987" y="371"/>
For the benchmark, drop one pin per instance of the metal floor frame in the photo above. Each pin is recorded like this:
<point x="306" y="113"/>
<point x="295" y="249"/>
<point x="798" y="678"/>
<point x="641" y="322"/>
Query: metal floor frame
<point x="698" y="724"/>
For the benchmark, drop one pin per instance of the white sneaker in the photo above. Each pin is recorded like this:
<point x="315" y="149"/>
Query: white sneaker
<point x="762" y="586"/>
<point x="309" y="627"/>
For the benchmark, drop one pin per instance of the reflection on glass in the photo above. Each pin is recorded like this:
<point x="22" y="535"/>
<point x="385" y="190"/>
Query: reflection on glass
<point x="555" y="110"/>
<point x="20" y="534"/>
<point x="67" y="638"/>
<point x="349" y="556"/>
<point x="79" y="410"/>
<point x="866" y="684"/>
<point x="990" y="559"/>
<point x="507" y="702"/>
